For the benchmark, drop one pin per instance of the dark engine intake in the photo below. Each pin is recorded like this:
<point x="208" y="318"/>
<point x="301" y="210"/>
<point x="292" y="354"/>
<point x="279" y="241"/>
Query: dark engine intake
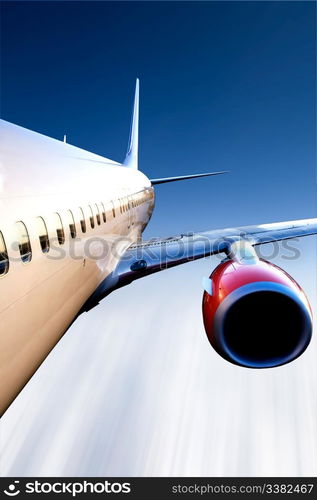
<point x="256" y="315"/>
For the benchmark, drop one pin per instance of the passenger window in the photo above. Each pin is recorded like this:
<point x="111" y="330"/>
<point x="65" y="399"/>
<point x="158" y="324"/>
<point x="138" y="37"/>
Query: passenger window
<point x="71" y="223"/>
<point x="43" y="234"/>
<point x="97" y="214"/>
<point x="82" y="220"/>
<point x="91" y="217"/>
<point x="59" y="229"/>
<point x="113" y="209"/>
<point x="103" y="213"/>
<point x="23" y="241"/>
<point x="4" y="261"/>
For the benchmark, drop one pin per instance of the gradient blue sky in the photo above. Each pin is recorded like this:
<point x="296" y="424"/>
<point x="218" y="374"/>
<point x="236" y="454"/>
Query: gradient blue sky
<point x="224" y="85"/>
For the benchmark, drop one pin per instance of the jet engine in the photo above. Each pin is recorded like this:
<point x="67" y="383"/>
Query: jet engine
<point x="255" y="314"/>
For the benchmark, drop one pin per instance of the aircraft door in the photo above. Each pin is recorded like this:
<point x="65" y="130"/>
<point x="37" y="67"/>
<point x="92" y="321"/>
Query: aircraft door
<point x="131" y="212"/>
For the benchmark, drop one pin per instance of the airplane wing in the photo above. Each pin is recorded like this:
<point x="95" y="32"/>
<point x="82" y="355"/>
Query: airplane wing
<point x="148" y="257"/>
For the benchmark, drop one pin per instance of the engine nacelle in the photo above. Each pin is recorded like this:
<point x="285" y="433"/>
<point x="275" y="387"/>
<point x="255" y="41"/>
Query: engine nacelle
<point x="256" y="315"/>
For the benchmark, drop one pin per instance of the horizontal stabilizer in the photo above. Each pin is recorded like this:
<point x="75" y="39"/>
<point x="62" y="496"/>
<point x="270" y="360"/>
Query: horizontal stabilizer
<point x="183" y="177"/>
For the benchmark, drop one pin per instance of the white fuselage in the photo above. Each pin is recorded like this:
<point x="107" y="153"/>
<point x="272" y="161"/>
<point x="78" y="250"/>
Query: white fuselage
<point x="46" y="280"/>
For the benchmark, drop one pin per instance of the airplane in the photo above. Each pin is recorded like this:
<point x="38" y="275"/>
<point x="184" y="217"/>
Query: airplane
<point x="71" y="233"/>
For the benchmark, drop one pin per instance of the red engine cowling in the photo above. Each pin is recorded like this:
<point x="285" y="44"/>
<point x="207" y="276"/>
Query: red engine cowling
<point x="256" y="315"/>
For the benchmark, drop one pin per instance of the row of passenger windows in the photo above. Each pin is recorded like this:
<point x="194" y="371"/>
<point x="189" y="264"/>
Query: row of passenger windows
<point x="129" y="202"/>
<point x="98" y="213"/>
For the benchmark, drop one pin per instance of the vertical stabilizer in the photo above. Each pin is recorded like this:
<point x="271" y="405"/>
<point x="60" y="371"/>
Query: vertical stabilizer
<point x="131" y="159"/>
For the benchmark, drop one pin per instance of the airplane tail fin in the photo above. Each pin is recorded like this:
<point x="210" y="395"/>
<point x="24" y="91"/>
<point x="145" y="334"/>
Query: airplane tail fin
<point x="131" y="159"/>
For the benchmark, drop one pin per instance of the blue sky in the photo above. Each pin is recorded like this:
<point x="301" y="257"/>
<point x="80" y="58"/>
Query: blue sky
<point x="224" y="85"/>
